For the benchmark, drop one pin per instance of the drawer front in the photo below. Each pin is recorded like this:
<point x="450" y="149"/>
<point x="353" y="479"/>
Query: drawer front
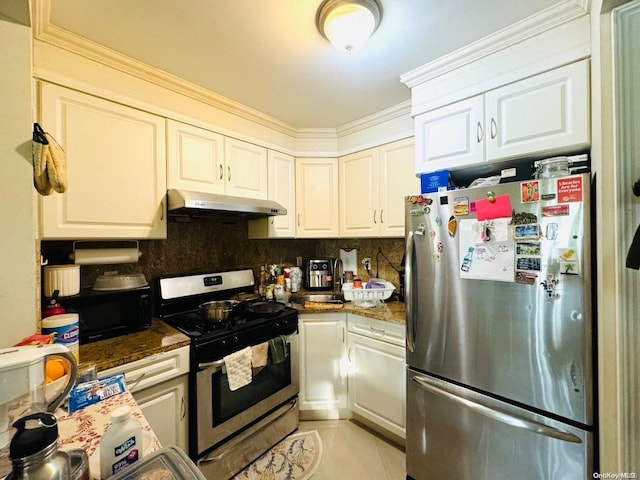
<point x="153" y="370"/>
<point x="393" y="333"/>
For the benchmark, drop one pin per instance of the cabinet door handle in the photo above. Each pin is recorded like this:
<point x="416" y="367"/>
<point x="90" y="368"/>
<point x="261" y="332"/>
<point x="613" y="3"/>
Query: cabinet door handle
<point x="479" y="132"/>
<point x="298" y="219"/>
<point x="343" y="332"/>
<point x="494" y="128"/>
<point x="221" y="171"/>
<point x="377" y="331"/>
<point x="229" y="172"/>
<point x="375" y="212"/>
<point x="162" y="210"/>
<point x="381" y="212"/>
<point x="349" y="355"/>
<point x="183" y="408"/>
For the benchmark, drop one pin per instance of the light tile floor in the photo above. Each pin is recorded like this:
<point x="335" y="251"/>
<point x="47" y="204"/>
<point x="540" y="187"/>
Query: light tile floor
<point x="352" y="452"/>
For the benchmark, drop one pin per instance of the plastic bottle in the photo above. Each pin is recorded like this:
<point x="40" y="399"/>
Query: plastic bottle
<point x="121" y="444"/>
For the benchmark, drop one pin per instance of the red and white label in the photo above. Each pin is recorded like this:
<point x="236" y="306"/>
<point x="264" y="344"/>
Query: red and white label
<point x="569" y="189"/>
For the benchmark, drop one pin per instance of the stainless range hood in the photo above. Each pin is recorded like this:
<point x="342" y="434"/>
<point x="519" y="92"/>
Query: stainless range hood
<point x="198" y="204"/>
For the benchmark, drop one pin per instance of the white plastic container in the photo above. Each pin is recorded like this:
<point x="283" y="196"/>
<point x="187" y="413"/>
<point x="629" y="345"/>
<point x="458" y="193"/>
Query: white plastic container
<point x="66" y="329"/>
<point x="121" y="444"/>
<point x="64" y="278"/>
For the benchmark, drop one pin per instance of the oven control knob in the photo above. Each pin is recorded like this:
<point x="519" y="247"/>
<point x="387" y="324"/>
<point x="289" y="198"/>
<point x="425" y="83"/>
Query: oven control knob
<point x="234" y="339"/>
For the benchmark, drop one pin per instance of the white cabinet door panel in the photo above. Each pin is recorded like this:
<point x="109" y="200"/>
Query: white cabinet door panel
<point x="377" y="382"/>
<point x="246" y="169"/>
<point x="116" y="168"/>
<point x="317" y="198"/>
<point x="165" y="408"/>
<point x="450" y="137"/>
<point x="397" y="180"/>
<point x="544" y="113"/>
<point x="323" y="377"/>
<point x="359" y="194"/>
<point x="195" y="158"/>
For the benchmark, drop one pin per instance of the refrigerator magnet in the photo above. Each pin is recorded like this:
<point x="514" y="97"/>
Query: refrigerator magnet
<point x="530" y="191"/>
<point x="461" y="206"/>
<point x="452" y="226"/>
<point x="526" y="278"/>
<point x="569" y="189"/>
<point x="528" y="263"/>
<point x="529" y="231"/>
<point x="528" y="248"/>
<point x="555" y="210"/>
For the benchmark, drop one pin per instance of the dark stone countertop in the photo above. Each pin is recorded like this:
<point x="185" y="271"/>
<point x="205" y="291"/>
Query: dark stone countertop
<point x="117" y="351"/>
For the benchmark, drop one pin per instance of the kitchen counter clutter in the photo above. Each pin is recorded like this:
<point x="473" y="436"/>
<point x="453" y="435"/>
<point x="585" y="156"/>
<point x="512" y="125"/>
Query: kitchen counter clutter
<point x="390" y="311"/>
<point x="114" y="352"/>
<point x="84" y="428"/>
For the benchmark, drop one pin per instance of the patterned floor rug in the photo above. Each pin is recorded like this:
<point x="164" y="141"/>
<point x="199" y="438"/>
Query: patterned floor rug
<point x="295" y="458"/>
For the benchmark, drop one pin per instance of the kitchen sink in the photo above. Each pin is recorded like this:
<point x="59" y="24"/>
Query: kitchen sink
<point x="317" y="298"/>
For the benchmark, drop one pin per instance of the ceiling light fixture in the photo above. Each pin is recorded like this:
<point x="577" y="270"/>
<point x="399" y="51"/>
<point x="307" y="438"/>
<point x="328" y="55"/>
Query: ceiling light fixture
<point x="348" y="24"/>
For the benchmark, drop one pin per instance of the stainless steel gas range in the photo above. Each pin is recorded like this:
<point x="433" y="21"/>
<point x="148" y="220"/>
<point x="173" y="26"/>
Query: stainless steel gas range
<point x="228" y="429"/>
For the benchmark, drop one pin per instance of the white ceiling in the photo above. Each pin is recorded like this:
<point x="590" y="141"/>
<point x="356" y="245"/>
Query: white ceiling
<point x="268" y="54"/>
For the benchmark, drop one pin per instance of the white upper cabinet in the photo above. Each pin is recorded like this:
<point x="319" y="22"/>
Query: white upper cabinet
<point x="116" y="168"/>
<point x="205" y="161"/>
<point x="245" y="169"/>
<point x="359" y="194"/>
<point x="282" y="189"/>
<point x="450" y="136"/>
<point x="317" y="198"/>
<point x="397" y="180"/>
<point x="544" y="114"/>
<point x="373" y="184"/>
<point x="195" y="158"/>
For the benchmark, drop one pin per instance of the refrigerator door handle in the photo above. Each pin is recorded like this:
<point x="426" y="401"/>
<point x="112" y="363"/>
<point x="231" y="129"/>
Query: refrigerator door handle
<point x="409" y="289"/>
<point x="493" y="411"/>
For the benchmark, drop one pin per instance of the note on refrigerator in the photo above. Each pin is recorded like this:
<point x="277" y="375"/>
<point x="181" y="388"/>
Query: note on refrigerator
<point x="487" y="250"/>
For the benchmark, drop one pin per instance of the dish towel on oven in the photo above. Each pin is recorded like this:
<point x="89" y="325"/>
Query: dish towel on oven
<point x="259" y="355"/>
<point x="238" y="365"/>
<point x="277" y="350"/>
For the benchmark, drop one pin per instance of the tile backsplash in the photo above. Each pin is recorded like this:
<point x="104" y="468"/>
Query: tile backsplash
<point x="211" y="245"/>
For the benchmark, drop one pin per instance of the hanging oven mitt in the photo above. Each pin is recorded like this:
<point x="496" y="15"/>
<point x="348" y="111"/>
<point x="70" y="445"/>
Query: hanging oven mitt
<point x="40" y="153"/>
<point x="49" y="163"/>
<point x="56" y="165"/>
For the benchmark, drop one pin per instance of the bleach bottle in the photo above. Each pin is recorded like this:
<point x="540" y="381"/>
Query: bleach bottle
<point x="121" y="444"/>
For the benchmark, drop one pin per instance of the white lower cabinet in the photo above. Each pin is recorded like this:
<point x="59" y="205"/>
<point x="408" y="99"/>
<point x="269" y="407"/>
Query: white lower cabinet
<point x="165" y="408"/>
<point x="376" y="355"/>
<point x="323" y="375"/>
<point x="159" y="385"/>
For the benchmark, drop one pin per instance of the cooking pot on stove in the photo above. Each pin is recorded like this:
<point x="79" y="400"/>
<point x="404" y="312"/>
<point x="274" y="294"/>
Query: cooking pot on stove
<point x="217" y="311"/>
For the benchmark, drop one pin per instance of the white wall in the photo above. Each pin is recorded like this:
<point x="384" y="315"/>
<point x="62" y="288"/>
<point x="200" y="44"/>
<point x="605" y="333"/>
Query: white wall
<point x="19" y="280"/>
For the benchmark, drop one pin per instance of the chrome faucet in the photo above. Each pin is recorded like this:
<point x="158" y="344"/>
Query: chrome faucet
<point x="337" y="278"/>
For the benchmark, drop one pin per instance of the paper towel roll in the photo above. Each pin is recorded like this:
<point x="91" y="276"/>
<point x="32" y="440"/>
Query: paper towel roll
<point x="101" y="256"/>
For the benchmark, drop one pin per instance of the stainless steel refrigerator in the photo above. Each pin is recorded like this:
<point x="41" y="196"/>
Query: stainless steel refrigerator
<point x="500" y="372"/>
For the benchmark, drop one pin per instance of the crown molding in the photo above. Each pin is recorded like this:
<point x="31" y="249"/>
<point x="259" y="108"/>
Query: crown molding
<point x="543" y="21"/>
<point x="388" y="114"/>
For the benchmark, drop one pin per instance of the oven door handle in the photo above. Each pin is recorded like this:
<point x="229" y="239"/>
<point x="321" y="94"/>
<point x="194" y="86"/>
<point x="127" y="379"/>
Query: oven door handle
<point x="216" y="365"/>
<point x="217" y="458"/>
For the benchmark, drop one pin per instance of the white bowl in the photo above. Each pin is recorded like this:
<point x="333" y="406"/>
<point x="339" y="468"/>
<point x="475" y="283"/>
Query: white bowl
<point x="64" y="278"/>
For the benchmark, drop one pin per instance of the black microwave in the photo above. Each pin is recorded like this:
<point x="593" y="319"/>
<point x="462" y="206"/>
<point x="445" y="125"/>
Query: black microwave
<point x="107" y="314"/>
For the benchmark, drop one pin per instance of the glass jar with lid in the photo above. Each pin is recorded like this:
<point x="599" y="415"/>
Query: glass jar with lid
<point x="552" y="167"/>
